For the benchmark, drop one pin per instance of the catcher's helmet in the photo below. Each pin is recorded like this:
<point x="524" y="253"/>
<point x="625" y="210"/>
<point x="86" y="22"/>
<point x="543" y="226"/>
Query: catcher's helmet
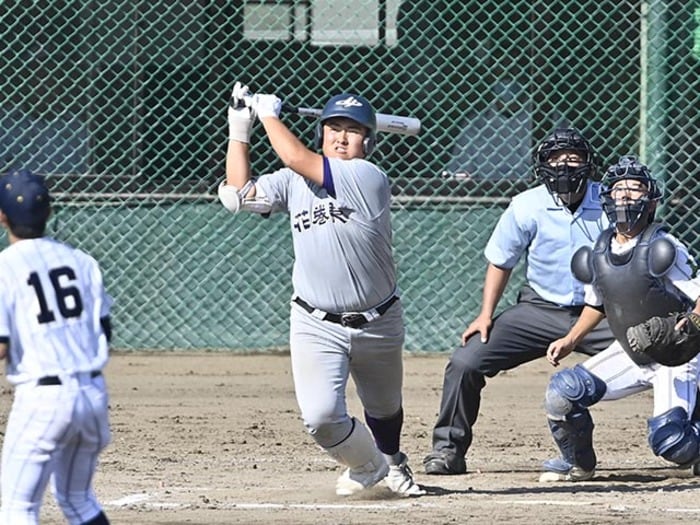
<point x="625" y="213"/>
<point x="354" y="107"/>
<point x="560" y="177"/>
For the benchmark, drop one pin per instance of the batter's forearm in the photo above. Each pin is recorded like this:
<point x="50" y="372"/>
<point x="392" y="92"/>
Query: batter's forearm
<point x="238" y="165"/>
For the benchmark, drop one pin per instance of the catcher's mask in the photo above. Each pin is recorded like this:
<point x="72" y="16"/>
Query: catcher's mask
<point x="564" y="178"/>
<point x="628" y="205"/>
<point x="354" y="107"/>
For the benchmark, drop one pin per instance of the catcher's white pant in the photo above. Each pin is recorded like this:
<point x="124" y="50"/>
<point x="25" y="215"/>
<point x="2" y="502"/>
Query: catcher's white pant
<point x="673" y="386"/>
<point x="54" y="432"/>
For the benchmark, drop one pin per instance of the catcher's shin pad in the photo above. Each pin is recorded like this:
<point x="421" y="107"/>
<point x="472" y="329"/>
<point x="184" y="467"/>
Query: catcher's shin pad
<point x="658" y="338"/>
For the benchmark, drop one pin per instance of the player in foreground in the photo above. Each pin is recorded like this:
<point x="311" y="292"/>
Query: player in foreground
<point x="54" y="333"/>
<point x="545" y="224"/>
<point x="346" y="315"/>
<point x="635" y="271"/>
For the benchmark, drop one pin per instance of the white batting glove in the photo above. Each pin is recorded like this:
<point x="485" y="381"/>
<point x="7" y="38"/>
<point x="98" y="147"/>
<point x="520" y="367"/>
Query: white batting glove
<point x="266" y="105"/>
<point x="240" y="115"/>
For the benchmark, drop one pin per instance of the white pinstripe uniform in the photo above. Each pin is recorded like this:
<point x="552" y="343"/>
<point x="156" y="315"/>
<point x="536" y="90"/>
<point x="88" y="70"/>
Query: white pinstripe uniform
<point x="53" y="306"/>
<point x="673" y="386"/>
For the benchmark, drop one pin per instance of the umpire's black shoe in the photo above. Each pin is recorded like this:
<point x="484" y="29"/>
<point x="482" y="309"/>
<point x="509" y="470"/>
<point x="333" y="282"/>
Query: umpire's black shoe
<point x="444" y="464"/>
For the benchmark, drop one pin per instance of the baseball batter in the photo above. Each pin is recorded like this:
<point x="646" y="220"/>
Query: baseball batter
<point x="346" y="315"/>
<point x="635" y="271"/>
<point x="54" y="331"/>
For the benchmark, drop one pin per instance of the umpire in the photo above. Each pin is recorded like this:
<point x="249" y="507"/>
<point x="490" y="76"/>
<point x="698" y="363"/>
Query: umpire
<point x="546" y="224"/>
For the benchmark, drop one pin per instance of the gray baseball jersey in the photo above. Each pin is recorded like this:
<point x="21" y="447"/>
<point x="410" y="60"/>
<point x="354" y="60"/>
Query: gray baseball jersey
<point x="345" y="241"/>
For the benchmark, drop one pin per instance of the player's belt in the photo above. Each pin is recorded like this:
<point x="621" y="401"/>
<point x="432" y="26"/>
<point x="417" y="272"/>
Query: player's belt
<point x="350" y="319"/>
<point x="55" y="380"/>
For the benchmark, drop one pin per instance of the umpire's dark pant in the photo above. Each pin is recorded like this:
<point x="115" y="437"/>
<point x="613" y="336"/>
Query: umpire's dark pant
<point x="520" y="334"/>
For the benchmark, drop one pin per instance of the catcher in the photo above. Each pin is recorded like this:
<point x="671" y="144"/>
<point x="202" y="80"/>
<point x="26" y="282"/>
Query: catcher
<point x="635" y="272"/>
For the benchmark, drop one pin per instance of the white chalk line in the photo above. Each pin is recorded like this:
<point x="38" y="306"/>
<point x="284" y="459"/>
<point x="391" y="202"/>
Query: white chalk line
<point x="144" y="500"/>
<point x="151" y="501"/>
<point x="329" y="506"/>
<point x="546" y="502"/>
<point x="131" y="499"/>
<point x="618" y="508"/>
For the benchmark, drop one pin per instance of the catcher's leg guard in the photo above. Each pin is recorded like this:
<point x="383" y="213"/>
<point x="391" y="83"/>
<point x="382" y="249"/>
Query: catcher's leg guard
<point x="569" y="394"/>
<point x="574" y="438"/>
<point x="572" y="389"/>
<point x="366" y="464"/>
<point x="674" y="437"/>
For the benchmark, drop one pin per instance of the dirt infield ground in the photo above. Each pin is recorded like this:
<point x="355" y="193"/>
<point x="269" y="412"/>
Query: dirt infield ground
<point x="215" y="438"/>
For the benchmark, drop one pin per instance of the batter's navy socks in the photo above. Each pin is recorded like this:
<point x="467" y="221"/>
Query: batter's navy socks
<point x="100" y="519"/>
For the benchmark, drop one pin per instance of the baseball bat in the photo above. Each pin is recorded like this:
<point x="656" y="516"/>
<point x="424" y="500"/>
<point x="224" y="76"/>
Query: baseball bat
<point x="385" y="123"/>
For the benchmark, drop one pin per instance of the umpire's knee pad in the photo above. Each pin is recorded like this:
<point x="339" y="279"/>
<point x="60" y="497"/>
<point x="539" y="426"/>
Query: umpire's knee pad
<point x="571" y="389"/>
<point x="674" y="437"/>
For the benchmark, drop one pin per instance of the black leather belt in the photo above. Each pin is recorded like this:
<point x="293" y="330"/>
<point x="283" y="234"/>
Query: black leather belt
<point x="55" y="380"/>
<point x="350" y="320"/>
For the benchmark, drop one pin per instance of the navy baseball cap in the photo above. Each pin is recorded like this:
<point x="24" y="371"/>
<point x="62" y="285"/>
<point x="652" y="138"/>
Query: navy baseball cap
<point x="24" y="198"/>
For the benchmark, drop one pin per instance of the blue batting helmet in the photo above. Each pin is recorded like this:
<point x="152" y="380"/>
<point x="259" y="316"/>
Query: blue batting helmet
<point x="354" y="107"/>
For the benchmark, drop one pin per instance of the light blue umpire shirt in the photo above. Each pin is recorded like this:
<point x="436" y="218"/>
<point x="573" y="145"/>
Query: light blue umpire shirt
<point x="548" y="234"/>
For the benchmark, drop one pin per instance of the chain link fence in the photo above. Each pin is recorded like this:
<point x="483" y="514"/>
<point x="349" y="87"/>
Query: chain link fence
<point x="122" y="105"/>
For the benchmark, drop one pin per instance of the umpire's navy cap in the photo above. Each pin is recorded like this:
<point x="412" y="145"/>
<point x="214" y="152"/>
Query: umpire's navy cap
<point x="24" y="198"/>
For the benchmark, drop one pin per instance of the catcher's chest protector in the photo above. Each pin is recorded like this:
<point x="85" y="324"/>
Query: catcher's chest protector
<point x="631" y="292"/>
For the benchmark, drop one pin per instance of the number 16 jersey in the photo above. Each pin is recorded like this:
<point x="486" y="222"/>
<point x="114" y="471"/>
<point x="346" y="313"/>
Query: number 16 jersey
<point x="52" y="298"/>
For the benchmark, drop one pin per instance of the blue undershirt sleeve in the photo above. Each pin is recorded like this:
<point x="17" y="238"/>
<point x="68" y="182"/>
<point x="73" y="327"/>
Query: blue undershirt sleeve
<point x="328" y="178"/>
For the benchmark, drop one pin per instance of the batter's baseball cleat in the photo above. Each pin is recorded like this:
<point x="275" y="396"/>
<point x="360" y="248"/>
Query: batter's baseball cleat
<point x="400" y="480"/>
<point x="353" y="480"/>
<point x="444" y="464"/>
<point x="558" y="469"/>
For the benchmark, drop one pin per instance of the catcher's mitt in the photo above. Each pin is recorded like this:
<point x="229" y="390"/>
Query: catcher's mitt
<point x="658" y="338"/>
